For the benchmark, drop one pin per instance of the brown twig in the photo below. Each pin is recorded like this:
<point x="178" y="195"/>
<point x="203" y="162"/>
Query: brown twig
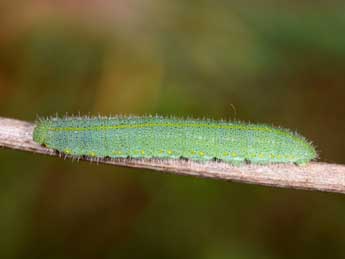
<point x="15" y="134"/>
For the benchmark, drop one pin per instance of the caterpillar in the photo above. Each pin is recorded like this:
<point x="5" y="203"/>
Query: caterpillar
<point x="173" y="138"/>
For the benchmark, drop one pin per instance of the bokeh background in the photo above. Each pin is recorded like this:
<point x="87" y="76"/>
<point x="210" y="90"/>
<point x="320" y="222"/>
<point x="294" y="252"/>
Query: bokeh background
<point x="277" y="62"/>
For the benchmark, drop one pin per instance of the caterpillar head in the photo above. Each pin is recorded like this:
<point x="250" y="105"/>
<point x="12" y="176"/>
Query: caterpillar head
<point x="40" y="132"/>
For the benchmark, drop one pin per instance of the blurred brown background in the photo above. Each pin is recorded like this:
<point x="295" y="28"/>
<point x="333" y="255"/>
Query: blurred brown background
<point x="277" y="62"/>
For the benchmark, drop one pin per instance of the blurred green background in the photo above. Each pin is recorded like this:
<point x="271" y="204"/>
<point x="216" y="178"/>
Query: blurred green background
<point x="278" y="62"/>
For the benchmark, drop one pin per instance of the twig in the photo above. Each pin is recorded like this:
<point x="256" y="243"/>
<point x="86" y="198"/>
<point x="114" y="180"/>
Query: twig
<point x="15" y="134"/>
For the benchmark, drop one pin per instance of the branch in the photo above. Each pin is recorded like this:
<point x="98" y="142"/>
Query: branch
<point x="15" y="134"/>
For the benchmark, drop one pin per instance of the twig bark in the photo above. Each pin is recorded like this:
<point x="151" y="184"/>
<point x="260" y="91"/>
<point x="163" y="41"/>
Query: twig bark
<point x="15" y="134"/>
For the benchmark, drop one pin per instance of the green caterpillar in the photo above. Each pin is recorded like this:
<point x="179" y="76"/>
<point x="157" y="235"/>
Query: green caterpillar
<point x="171" y="138"/>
